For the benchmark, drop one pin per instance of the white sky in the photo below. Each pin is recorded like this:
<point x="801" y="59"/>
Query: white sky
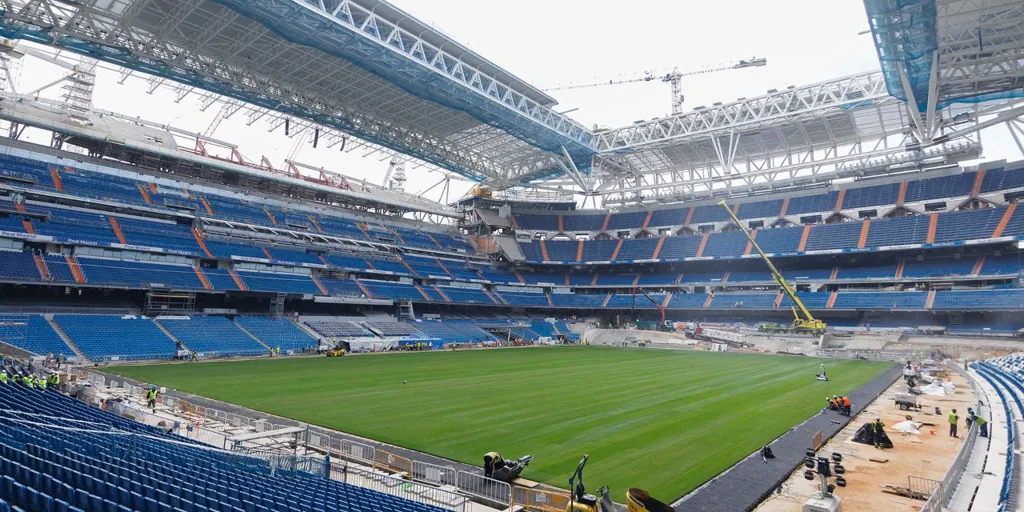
<point x="548" y="42"/>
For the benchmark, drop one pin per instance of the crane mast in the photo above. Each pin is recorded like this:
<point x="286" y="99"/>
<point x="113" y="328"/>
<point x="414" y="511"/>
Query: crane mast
<point x="806" y="323"/>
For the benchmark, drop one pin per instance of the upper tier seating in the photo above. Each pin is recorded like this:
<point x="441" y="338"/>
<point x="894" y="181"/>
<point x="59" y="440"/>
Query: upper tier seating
<point x="77" y="227"/>
<point x="211" y="335"/>
<point x="103" y="337"/>
<point x="220" y="279"/>
<point x="866" y="196"/>
<point x="174" y="237"/>
<point x="342" y="287"/>
<point x="138" y="274"/>
<point x="19" y="265"/>
<point x="282" y="283"/>
<point x="24" y="172"/>
<point x="913" y="229"/>
<point x="880" y="300"/>
<point x="466" y="295"/>
<point x="524" y="298"/>
<point x="391" y="290"/>
<point x="579" y="300"/>
<point x="277" y="332"/>
<point x="983" y="300"/>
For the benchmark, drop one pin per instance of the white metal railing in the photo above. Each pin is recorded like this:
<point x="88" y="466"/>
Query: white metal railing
<point x="399" y="487"/>
<point x="949" y="482"/>
<point x="426" y="477"/>
<point x="487" y="489"/>
<point x="434" y="474"/>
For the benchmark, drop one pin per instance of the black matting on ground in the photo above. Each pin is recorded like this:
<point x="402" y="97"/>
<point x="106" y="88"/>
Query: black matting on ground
<point x="750" y="481"/>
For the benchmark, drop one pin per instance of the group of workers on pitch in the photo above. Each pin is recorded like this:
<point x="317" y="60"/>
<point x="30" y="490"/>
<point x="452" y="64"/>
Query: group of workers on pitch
<point x="839" y="403"/>
<point x="29" y="380"/>
<point x="972" y="417"/>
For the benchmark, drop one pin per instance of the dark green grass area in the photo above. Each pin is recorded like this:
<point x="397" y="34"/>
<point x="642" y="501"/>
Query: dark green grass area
<point x="661" y="420"/>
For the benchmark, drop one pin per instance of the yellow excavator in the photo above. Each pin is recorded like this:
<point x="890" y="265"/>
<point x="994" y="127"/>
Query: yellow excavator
<point x="803" y="322"/>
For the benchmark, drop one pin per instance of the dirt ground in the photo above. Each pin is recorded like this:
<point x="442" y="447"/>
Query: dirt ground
<point x="927" y="455"/>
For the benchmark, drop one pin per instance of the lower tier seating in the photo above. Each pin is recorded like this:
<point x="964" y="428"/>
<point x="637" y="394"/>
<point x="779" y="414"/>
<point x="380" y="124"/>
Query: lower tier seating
<point x="213" y="335"/>
<point x="32" y="333"/>
<point x="49" y="465"/>
<point x="104" y="337"/>
<point x="277" y="332"/>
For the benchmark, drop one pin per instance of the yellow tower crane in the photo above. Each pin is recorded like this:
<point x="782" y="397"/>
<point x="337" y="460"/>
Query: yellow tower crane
<point x="804" y="321"/>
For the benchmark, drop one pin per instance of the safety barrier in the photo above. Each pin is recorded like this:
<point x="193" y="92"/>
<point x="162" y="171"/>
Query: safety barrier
<point x="992" y="377"/>
<point x="948" y="484"/>
<point x="423" y="475"/>
<point x="400" y="487"/>
<point x="487" y="489"/>
<point x="434" y="474"/>
<point x="923" y="486"/>
<point x="388" y="461"/>
<point x="538" y="500"/>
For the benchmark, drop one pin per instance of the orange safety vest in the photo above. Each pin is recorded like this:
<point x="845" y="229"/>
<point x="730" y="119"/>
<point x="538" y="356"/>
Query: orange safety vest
<point x="846" y="402"/>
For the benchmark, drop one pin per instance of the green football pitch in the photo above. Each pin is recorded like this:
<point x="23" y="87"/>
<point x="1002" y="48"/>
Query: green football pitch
<point x="662" y="420"/>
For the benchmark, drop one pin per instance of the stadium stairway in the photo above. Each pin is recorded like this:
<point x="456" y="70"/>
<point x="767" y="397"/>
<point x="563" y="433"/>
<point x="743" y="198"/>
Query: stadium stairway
<point x="250" y="334"/>
<point x="67" y="340"/>
<point x="170" y="335"/>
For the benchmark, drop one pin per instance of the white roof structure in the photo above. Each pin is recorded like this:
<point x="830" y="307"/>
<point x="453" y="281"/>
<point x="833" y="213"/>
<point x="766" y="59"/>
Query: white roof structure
<point x="365" y="73"/>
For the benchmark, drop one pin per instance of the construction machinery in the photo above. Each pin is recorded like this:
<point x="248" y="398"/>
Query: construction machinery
<point x="672" y="77"/>
<point x="661" y="310"/>
<point x="803" y="321"/>
<point x="637" y="500"/>
<point x="496" y="467"/>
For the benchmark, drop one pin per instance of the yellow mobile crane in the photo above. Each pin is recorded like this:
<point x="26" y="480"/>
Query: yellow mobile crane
<point x="803" y="324"/>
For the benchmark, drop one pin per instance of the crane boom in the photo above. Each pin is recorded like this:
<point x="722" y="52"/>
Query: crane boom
<point x="657" y="306"/>
<point x="668" y="76"/>
<point x="808" y="321"/>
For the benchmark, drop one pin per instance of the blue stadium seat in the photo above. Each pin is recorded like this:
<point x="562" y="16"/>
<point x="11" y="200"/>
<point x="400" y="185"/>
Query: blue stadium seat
<point x="32" y="333"/>
<point x="18" y="265"/>
<point x="47" y="467"/>
<point x="277" y="332"/>
<point x="213" y="335"/>
<point x="104" y="337"/>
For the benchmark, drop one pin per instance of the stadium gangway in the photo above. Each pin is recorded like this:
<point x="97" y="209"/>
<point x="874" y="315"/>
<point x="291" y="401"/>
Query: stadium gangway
<point x="235" y="441"/>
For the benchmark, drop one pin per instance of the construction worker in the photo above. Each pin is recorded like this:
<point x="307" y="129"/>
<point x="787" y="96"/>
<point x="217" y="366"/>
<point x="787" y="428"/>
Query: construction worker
<point x="3" y="376"/>
<point x="26" y="381"/>
<point x="41" y="383"/>
<point x="878" y="429"/>
<point x="151" y="398"/>
<point x="492" y="461"/>
<point x="981" y="423"/>
<point x="846" y="404"/>
<point x="953" y="419"/>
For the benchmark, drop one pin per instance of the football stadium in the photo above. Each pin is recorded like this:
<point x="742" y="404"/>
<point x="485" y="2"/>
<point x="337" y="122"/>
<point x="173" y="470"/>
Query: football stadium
<point x="320" y="255"/>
